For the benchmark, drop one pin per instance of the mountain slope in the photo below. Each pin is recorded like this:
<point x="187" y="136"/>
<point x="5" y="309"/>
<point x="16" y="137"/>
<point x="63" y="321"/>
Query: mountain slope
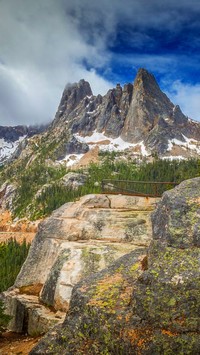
<point x="134" y="121"/>
<point x="138" y="117"/>
<point x="11" y="138"/>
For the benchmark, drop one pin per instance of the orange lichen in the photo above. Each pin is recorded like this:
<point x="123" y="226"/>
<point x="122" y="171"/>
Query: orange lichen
<point x="83" y="288"/>
<point x="138" y="337"/>
<point x="128" y="317"/>
<point x="126" y="295"/>
<point x="119" y="317"/>
<point x="181" y="320"/>
<point x="169" y="333"/>
<point x="31" y="289"/>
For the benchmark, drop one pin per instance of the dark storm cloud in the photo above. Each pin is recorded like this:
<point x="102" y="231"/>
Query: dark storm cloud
<point x="45" y="44"/>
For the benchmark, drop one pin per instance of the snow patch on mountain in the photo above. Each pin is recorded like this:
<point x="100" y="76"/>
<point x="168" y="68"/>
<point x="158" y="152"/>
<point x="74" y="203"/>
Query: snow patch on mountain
<point x="171" y="157"/>
<point x="110" y="144"/>
<point x="8" y="148"/>
<point x="71" y="159"/>
<point x="188" y="143"/>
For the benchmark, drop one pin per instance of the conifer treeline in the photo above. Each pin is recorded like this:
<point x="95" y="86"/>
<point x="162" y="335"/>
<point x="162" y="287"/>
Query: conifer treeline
<point x="53" y="193"/>
<point x="12" y="256"/>
<point x="160" y="170"/>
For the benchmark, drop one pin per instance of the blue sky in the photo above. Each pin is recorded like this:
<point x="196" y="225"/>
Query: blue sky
<point x="45" y="44"/>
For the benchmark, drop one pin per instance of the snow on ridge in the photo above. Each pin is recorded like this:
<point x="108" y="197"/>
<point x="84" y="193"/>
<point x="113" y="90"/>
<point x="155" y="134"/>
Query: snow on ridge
<point x="8" y="148"/>
<point x="188" y="144"/>
<point x="143" y="149"/>
<point x="110" y="144"/>
<point x="104" y="143"/>
<point x="173" y="157"/>
<point x="71" y="159"/>
<point x="91" y="112"/>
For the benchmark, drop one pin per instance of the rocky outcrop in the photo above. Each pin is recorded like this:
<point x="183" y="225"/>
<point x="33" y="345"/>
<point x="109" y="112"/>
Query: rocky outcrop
<point x="12" y="134"/>
<point x="73" y="180"/>
<point x="71" y="98"/>
<point x="72" y="146"/>
<point x="28" y="314"/>
<point x="7" y="194"/>
<point x="141" y="304"/>
<point x="79" y="238"/>
<point x="177" y="220"/>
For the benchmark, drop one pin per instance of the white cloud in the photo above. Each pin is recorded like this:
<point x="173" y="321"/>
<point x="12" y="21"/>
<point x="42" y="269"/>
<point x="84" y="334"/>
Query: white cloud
<point x="47" y="43"/>
<point x="187" y="96"/>
<point x="41" y="50"/>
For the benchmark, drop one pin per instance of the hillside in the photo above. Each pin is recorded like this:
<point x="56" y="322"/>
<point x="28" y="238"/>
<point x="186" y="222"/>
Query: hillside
<point x="121" y="131"/>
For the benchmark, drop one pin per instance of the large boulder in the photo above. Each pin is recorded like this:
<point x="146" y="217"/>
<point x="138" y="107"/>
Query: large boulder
<point x="78" y="239"/>
<point x="142" y="304"/>
<point x="176" y="222"/>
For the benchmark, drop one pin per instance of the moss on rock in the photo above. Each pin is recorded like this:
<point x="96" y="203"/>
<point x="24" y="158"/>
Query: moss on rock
<point x="141" y="304"/>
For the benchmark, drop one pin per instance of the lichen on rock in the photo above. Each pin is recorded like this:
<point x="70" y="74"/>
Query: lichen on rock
<point x="141" y="304"/>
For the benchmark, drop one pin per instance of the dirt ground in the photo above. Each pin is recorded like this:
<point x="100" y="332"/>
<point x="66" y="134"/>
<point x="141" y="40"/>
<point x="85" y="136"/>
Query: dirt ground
<point x="15" y="344"/>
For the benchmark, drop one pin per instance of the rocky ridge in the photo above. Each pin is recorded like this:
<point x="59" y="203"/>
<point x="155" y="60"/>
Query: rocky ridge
<point x="143" y="303"/>
<point x="12" y="140"/>
<point x="79" y="238"/>
<point x="138" y="117"/>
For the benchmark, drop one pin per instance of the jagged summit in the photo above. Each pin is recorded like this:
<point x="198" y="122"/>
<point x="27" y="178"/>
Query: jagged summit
<point x="145" y="78"/>
<point x="139" y="113"/>
<point x="72" y="96"/>
<point x="139" y="117"/>
<point x="149" y="109"/>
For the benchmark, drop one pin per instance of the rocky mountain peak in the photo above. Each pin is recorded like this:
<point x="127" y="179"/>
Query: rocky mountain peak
<point x="145" y="80"/>
<point x="149" y="109"/>
<point x="73" y="94"/>
<point x="139" y="116"/>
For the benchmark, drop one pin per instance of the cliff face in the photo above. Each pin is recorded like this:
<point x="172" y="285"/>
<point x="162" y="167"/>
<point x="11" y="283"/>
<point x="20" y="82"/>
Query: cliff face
<point x="141" y="304"/>
<point x="138" y="117"/>
<point x="79" y="238"/>
<point x="139" y="113"/>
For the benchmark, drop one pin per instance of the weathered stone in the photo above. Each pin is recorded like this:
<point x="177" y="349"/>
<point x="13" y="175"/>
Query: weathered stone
<point x="80" y="238"/>
<point x="28" y="315"/>
<point x="176" y="222"/>
<point x="141" y="304"/>
<point x="72" y="146"/>
<point x="71" y="98"/>
<point x="74" y="264"/>
<point x="7" y="194"/>
<point x="90" y="218"/>
<point x="73" y="180"/>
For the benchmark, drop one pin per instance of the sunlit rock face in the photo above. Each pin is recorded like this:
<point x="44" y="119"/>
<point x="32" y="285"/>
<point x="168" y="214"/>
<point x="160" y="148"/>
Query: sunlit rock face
<point x="143" y="303"/>
<point x="138" y="117"/>
<point x="78" y="239"/>
<point x="139" y="113"/>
